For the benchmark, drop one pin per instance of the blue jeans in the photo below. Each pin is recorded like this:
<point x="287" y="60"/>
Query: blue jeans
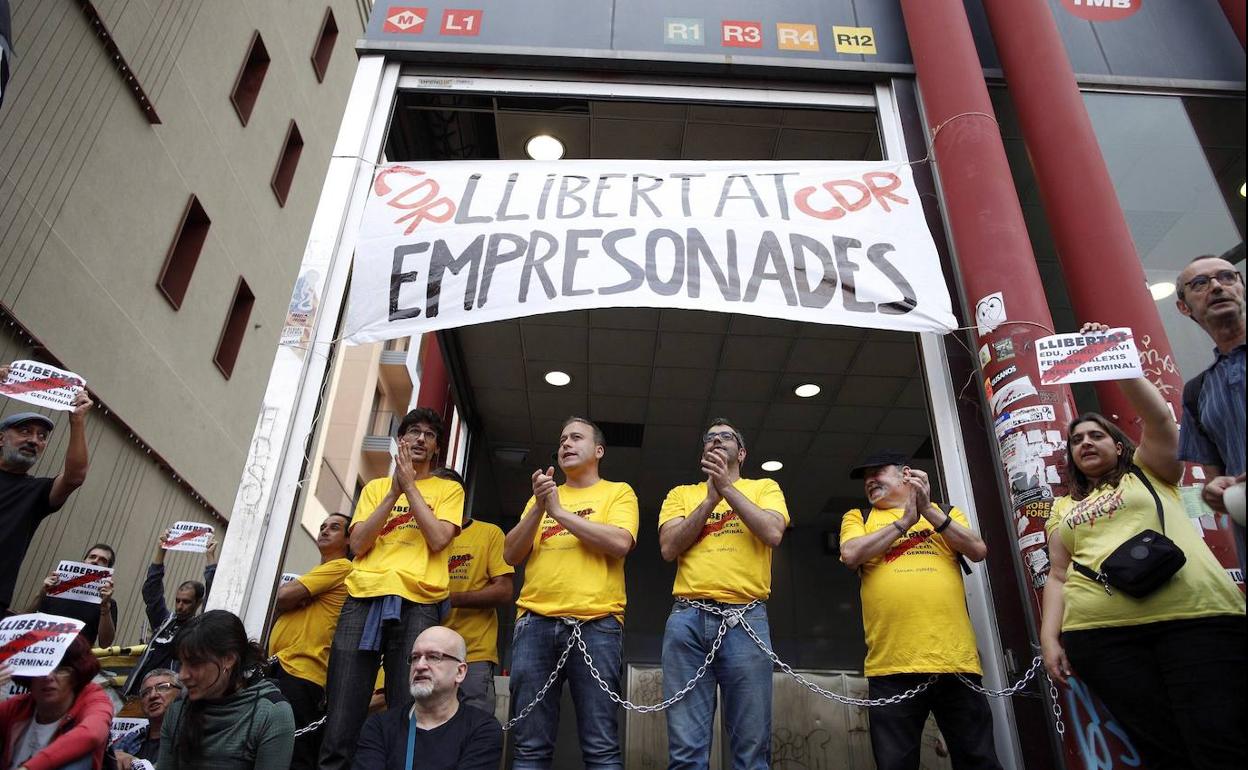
<point x="740" y="669"/>
<point x="537" y="642"/>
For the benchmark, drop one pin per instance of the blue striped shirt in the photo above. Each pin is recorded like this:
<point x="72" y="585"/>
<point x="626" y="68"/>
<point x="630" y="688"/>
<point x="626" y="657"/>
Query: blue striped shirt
<point x="1221" y="416"/>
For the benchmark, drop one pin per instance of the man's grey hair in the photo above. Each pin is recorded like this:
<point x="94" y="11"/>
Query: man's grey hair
<point x="170" y="673"/>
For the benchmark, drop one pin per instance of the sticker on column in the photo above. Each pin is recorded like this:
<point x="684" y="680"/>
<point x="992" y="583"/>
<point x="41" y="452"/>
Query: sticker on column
<point x="1004" y="348"/>
<point x="1010" y="392"/>
<point x="985" y="355"/>
<point x="1009" y="421"/>
<point x="989" y="313"/>
<point x="287" y="577"/>
<point x="1095" y="357"/>
<point x="1031" y="541"/>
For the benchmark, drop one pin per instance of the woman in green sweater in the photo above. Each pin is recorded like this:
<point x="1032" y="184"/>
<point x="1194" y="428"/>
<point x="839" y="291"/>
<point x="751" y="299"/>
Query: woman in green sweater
<point x="231" y="718"/>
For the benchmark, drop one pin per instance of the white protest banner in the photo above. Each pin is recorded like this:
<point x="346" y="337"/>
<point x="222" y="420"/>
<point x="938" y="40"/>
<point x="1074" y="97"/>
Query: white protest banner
<point x="287" y="577"/>
<point x="33" y="645"/>
<point x="141" y="764"/>
<point x="11" y="689"/>
<point x="188" y="536"/>
<point x="124" y="726"/>
<point x="42" y="385"/>
<point x="443" y="245"/>
<point x="1110" y="355"/>
<point x="80" y="582"/>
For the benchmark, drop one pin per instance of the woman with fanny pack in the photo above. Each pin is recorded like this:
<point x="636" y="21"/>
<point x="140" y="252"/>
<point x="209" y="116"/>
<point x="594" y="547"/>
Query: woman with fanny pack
<point x="1136" y="605"/>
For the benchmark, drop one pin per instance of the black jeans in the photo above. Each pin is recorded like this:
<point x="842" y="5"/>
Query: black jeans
<point x="961" y="714"/>
<point x="307" y="701"/>
<point x="1176" y="687"/>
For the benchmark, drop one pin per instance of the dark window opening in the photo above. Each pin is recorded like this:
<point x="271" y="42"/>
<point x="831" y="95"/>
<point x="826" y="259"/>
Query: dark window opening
<point x="324" y="45"/>
<point x="284" y="174"/>
<point x="235" y="328"/>
<point x="250" y="78"/>
<point x="175" y="275"/>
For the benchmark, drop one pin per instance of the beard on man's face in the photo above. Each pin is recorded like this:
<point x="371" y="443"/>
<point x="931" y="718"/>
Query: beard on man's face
<point x="422" y="689"/>
<point x="15" y="457"/>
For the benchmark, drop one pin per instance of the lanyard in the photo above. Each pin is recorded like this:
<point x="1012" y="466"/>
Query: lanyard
<point x="411" y="742"/>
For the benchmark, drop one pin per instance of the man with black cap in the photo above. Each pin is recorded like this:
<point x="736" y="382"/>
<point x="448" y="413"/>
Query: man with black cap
<point x="27" y="500"/>
<point x="908" y="551"/>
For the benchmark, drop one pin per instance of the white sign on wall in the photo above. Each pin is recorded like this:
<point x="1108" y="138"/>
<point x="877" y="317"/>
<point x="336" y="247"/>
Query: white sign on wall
<point x="450" y="244"/>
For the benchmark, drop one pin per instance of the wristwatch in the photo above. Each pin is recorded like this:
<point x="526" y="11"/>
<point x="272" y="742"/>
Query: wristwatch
<point x="944" y="524"/>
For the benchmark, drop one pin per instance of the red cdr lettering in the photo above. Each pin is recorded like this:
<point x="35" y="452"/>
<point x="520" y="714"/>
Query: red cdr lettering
<point x="875" y="185"/>
<point x="420" y="201"/>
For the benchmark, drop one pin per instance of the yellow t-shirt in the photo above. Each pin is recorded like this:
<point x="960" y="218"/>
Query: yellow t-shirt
<point x="300" y="638"/>
<point x="399" y="563"/>
<point x="727" y="563"/>
<point x="913" y="604"/>
<point x="563" y="578"/>
<point x="1093" y="527"/>
<point x="475" y="556"/>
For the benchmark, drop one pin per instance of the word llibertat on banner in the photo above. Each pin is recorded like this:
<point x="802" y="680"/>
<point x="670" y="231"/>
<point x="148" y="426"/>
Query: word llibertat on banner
<point x="80" y="582"/>
<point x="1092" y="357"/>
<point x="188" y="536"/>
<point x="42" y="385"/>
<point x="124" y="726"/>
<point x="450" y="244"/>
<point x="33" y="645"/>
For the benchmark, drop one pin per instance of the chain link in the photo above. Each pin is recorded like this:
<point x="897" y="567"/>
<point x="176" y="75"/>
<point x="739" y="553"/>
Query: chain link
<point x="1055" y="699"/>
<point x="310" y="728"/>
<point x="732" y="617"/>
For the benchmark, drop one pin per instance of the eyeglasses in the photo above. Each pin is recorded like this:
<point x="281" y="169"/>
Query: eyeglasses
<point x="162" y="688"/>
<point x="1201" y="283"/>
<point x="722" y="435"/>
<point x="433" y="658"/>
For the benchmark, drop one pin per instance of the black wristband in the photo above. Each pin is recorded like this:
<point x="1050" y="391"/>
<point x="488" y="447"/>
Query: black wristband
<point x="944" y="524"/>
<point x="899" y="528"/>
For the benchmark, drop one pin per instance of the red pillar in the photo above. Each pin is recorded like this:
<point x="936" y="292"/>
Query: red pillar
<point x="1103" y="273"/>
<point x="994" y="256"/>
<point x="435" y="382"/>
<point x="1234" y="10"/>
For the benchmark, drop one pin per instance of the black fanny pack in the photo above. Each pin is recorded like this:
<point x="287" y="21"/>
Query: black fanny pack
<point x="1144" y="563"/>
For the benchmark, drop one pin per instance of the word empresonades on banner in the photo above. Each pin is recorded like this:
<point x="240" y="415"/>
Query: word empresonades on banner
<point x="42" y="385"/>
<point x="451" y="244"/>
<point x="188" y="536"/>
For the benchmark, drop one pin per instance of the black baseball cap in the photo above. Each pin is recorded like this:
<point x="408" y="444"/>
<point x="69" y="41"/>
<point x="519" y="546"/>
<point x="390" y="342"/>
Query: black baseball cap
<point x="876" y="459"/>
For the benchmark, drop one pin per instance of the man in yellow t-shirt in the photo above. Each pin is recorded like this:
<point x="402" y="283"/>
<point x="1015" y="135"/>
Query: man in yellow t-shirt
<point x="573" y="539"/>
<point x="721" y="533"/>
<point x="398" y="583"/>
<point x="481" y="582"/>
<point x="307" y="613"/>
<point x="909" y="553"/>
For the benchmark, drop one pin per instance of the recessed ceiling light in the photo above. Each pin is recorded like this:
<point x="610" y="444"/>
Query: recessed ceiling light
<point x="807" y="390"/>
<point x="772" y="465"/>
<point x="544" y="147"/>
<point x="1161" y="289"/>
<point x="558" y="379"/>
<point x="1241" y="189"/>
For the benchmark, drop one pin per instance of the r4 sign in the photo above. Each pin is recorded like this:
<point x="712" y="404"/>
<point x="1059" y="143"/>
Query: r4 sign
<point x="461" y="22"/>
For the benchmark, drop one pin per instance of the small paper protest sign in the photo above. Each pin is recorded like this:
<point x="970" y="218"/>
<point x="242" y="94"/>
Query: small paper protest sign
<point x="42" y="385"/>
<point x="188" y="536"/>
<point x="33" y="645"/>
<point x="1092" y="357"/>
<point x="141" y="764"/>
<point x="80" y="582"/>
<point x="287" y="577"/>
<point x="124" y="726"/>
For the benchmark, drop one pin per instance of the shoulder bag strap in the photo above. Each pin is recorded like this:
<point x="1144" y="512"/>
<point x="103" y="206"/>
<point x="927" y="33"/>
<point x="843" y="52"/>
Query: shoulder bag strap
<point x="411" y="742"/>
<point x="1139" y="474"/>
<point x="948" y="511"/>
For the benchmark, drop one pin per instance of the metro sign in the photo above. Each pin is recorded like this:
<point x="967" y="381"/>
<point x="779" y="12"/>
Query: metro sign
<point x="1102" y="10"/>
<point x="405" y="19"/>
<point x="741" y="34"/>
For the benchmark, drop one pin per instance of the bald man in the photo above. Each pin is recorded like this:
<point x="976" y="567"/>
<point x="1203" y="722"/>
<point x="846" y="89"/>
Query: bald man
<point x="448" y="735"/>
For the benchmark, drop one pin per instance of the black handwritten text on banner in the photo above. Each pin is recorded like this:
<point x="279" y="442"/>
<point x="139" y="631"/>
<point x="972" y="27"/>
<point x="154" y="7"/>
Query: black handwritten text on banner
<point x="457" y="243"/>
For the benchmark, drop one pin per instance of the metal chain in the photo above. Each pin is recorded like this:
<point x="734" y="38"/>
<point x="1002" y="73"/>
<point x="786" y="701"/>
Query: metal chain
<point x="1054" y="697"/>
<point x="1012" y="689"/>
<point x="310" y="728"/>
<point x="550" y="680"/>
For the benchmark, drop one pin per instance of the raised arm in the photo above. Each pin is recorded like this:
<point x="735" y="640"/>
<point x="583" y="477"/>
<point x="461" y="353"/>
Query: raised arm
<point x="860" y="549"/>
<point x="74" y="472"/>
<point x="678" y="535"/>
<point x="519" y="540"/>
<point x="601" y="537"/>
<point x="962" y="539"/>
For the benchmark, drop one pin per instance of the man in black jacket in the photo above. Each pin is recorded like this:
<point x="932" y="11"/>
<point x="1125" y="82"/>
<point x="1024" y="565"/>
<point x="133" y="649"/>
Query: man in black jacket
<point x="447" y="734"/>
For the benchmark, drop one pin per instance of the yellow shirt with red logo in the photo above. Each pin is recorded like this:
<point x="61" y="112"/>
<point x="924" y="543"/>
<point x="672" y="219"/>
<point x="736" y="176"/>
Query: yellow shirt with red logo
<point x="563" y="578"/>
<point x="476" y="556"/>
<point x="727" y="563"/>
<point x="399" y="563"/>
<point x="301" y="638"/>
<point x="913" y="603"/>
<point x="1092" y="528"/>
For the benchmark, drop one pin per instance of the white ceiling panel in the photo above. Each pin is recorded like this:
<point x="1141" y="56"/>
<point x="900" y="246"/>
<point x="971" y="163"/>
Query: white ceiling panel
<point x="621" y="346"/>
<point x="765" y="354"/>
<point x="637" y="139"/>
<point x="688" y="350"/>
<point x="611" y="380"/>
<point x="694" y="321"/>
<point x="869" y="391"/>
<point x="744" y="386"/>
<point x="631" y="409"/>
<point x="555" y="343"/>
<point x="682" y="383"/>
<point x="664" y="410"/>
<point x="821" y="356"/>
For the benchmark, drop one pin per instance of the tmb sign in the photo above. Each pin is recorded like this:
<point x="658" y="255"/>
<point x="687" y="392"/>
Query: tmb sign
<point x="1103" y="10"/>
